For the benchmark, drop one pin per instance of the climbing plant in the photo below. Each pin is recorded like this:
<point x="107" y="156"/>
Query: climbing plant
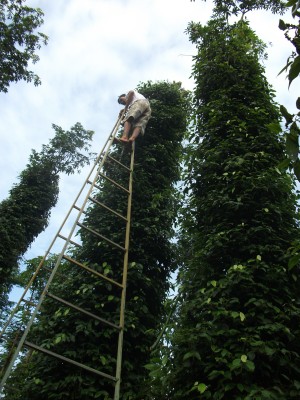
<point x="25" y="213"/>
<point x="292" y="67"/>
<point x="237" y="323"/>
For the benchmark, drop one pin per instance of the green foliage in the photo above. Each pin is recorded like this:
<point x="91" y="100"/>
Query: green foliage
<point x="11" y="335"/>
<point x="236" y="7"/>
<point x="19" y="42"/>
<point x="68" y="151"/>
<point x="25" y="213"/>
<point x="151" y="260"/>
<point x="292" y="34"/>
<point x="235" y="335"/>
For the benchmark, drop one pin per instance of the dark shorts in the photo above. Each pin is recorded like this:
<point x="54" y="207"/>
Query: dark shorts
<point x="140" y="111"/>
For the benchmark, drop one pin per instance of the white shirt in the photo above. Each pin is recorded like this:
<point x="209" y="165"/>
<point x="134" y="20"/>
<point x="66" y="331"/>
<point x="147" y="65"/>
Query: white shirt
<point x="136" y="96"/>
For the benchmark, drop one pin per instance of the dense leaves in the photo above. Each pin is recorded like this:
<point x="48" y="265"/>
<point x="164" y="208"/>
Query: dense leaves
<point x="25" y="213"/>
<point x="292" y="34"/>
<point x="19" y="42"/>
<point x="151" y="260"/>
<point x="238" y="320"/>
<point x="241" y="7"/>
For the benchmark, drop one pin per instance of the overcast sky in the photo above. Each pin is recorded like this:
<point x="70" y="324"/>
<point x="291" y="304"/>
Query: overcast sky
<point x="98" y="49"/>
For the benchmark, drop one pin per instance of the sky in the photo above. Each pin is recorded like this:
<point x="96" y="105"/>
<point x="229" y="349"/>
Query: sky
<point x="97" y="50"/>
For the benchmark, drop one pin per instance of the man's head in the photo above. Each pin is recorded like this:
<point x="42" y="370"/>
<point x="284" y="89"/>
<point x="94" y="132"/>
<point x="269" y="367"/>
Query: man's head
<point x="122" y="99"/>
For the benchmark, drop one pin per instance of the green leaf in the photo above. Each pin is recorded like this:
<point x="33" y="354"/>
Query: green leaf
<point x="250" y="365"/>
<point x="294" y="70"/>
<point x="192" y="354"/>
<point x="57" y="339"/>
<point x="214" y="283"/>
<point x="284" y="164"/>
<point x="242" y="316"/>
<point x="103" y="360"/>
<point x="151" y="367"/>
<point x="236" y="363"/>
<point x="282" y="25"/>
<point x="292" y="146"/>
<point x="201" y="387"/>
<point x="297" y="384"/>
<point x="288" y="117"/>
<point x="240" y="387"/>
<point x="258" y="257"/>
<point x="293" y="261"/>
<point x="244" y="358"/>
<point x="297" y="169"/>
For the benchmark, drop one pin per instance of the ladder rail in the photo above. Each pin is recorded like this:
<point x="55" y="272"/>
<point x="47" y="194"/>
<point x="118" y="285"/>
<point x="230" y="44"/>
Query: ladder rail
<point x="125" y="272"/>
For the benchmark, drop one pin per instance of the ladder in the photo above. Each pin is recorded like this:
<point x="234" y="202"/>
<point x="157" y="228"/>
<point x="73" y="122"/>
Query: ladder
<point x="73" y="220"/>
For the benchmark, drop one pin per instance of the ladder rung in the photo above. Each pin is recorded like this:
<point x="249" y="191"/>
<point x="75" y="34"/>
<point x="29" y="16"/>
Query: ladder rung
<point x="114" y="182"/>
<point x="97" y="187"/>
<point x="107" y="208"/>
<point x="82" y="310"/>
<point x="51" y="353"/>
<point x="101" y="236"/>
<point x="119" y="163"/>
<point x="92" y="271"/>
<point x="70" y="241"/>
<point x="78" y="209"/>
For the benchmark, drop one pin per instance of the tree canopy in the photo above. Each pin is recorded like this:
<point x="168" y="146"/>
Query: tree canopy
<point x="237" y="7"/>
<point x="19" y="42"/>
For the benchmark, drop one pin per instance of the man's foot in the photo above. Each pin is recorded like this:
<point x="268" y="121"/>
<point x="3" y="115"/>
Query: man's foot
<point x="131" y="139"/>
<point x="124" y="139"/>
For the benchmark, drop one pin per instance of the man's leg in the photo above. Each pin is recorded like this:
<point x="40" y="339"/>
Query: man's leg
<point x="127" y="128"/>
<point x="135" y="133"/>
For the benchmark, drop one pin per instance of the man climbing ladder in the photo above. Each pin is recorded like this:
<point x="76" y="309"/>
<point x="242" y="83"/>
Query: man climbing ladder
<point x="137" y="113"/>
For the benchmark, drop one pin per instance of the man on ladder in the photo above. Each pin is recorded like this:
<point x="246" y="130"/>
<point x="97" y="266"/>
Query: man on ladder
<point x="137" y="113"/>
